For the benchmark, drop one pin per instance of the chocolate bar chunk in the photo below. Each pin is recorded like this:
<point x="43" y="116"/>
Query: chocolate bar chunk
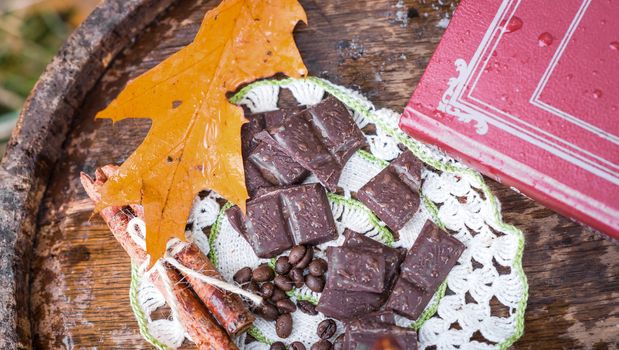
<point x="383" y="316"/>
<point x="407" y="299"/>
<point x="237" y="220"/>
<point x="322" y="139"/>
<point x="431" y="258"/>
<point x="254" y="178"/>
<point x="393" y="193"/>
<point x="356" y="270"/>
<point x="368" y="335"/>
<point x="266" y="227"/>
<point x="308" y="213"/>
<point x="346" y="305"/>
<point x="393" y="256"/>
<point x="279" y="218"/>
<point x="276" y="166"/>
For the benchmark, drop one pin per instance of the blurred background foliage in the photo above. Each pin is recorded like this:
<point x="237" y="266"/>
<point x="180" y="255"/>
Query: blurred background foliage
<point x="31" y="32"/>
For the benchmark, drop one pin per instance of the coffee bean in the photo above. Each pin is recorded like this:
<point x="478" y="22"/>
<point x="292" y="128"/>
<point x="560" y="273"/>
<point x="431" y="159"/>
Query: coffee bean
<point x="263" y="273"/>
<point x="296" y="275"/>
<point x="326" y="329"/>
<point x="266" y="290"/>
<point x="318" y="267"/>
<point x="282" y="266"/>
<point x="307" y="258"/>
<point x="286" y="306"/>
<point x="296" y="346"/>
<point x="242" y="276"/>
<point x="267" y="311"/>
<point x="306" y="307"/>
<point x="251" y="287"/>
<point x="278" y="345"/>
<point x="278" y="295"/>
<point x="338" y="344"/>
<point x="317" y="284"/>
<point x="283" y="282"/>
<point x="283" y="326"/>
<point x="296" y="254"/>
<point x="322" y="345"/>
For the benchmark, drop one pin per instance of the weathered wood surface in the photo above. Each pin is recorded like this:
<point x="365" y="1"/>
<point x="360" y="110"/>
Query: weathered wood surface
<point x="80" y="276"/>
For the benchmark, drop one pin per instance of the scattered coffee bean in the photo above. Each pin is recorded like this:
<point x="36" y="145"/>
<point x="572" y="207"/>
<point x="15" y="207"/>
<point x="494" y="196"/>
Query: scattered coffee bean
<point x="326" y="329"/>
<point x="278" y="345"/>
<point x="286" y="306"/>
<point x="268" y="311"/>
<point x="322" y="345"/>
<point x="242" y="276"/>
<point x="317" y="284"/>
<point x="338" y="344"/>
<point x="306" y="307"/>
<point x="278" y="295"/>
<point x="282" y="266"/>
<point x="263" y="273"/>
<point x="283" y="326"/>
<point x="318" y="267"/>
<point x="251" y="287"/>
<point x="296" y="346"/>
<point x="296" y="254"/>
<point x="307" y="258"/>
<point x="296" y="275"/>
<point x="266" y="290"/>
<point x="283" y="282"/>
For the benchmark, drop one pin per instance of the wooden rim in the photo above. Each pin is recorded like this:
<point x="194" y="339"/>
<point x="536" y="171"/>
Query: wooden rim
<point x="37" y="143"/>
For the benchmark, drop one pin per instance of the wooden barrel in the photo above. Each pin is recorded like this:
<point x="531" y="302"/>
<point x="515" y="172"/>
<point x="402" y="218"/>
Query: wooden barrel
<point x="64" y="280"/>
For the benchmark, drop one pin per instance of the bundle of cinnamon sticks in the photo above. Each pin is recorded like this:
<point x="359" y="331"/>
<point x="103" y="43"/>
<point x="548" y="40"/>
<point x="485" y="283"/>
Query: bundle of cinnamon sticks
<point x="209" y="314"/>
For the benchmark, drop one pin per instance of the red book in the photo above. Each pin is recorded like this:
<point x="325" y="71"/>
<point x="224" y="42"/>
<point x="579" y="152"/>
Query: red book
<point x="527" y="91"/>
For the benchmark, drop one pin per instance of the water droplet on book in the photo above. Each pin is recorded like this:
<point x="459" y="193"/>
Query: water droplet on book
<point x="597" y="93"/>
<point x="614" y="45"/>
<point x="512" y="25"/>
<point x="545" y="39"/>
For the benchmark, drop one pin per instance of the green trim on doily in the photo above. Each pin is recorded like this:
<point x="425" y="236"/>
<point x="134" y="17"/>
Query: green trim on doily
<point x="430" y="310"/>
<point x="215" y="231"/>
<point x="257" y="334"/>
<point x="414" y="146"/>
<point x="365" y="155"/>
<point x="138" y="312"/>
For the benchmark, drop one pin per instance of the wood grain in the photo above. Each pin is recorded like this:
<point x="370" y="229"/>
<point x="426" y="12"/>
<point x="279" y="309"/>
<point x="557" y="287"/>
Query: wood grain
<point x="80" y="275"/>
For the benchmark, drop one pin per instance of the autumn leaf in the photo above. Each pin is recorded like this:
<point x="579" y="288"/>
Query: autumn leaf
<point x="194" y="142"/>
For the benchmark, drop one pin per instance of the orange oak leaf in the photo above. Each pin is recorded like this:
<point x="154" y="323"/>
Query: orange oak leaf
<point x="194" y="142"/>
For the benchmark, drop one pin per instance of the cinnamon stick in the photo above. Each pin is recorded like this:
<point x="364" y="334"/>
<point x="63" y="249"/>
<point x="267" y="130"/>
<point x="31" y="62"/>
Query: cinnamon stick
<point x="199" y="324"/>
<point x="226" y="307"/>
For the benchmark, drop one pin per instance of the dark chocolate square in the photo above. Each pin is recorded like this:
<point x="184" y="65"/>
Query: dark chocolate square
<point x="393" y="256"/>
<point x="346" y="305"/>
<point x="276" y="166"/>
<point x="431" y="257"/>
<point x="308" y="213"/>
<point x="356" y="270"/>
<point x="368" y="335"/>
<point x="383" y="316"/>
<point x="266" y="227"/>
<point x="393" y="194"/>
<point x="254" y="180"/>
<point x="408" y="299"/>
<point x="237" y="220"/>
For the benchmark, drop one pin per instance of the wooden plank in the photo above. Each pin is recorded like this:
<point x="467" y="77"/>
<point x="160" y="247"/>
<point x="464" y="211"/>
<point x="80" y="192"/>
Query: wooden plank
<point x="80" y="275"/>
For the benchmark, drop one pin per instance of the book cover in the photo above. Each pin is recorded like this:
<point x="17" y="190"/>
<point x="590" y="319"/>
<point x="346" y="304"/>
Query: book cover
<point x="527" y="92"/>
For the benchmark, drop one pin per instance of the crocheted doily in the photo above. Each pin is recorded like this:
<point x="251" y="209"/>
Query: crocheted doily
<point x="480" y="305"/>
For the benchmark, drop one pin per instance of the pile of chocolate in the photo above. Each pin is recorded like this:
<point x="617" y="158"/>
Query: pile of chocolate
<point x="366" y="281"/>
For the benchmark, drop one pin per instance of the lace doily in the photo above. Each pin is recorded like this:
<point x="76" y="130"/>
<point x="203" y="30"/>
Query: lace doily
<point x="480" y="305"/>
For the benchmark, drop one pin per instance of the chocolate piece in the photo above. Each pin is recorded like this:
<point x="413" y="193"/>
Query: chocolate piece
<point x="344" y="305"/>
<point x="393" y="194"/>
<point x="322" y="139"/>
<point x="431" y="257"/>
<point x="356" y="270"/>
<point x="375" y="335"/>
<point x="276" y="166"/>
<point x="393" y="256"/>
<point x="266" y="227"/>
<point x="408" y="299"/>
<point x="309" y="215"/>
<point x="383" y="316"/>
<point x="253" y="178"/>
<point x="299" y="214"/>
<point x="237" y="220"/>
